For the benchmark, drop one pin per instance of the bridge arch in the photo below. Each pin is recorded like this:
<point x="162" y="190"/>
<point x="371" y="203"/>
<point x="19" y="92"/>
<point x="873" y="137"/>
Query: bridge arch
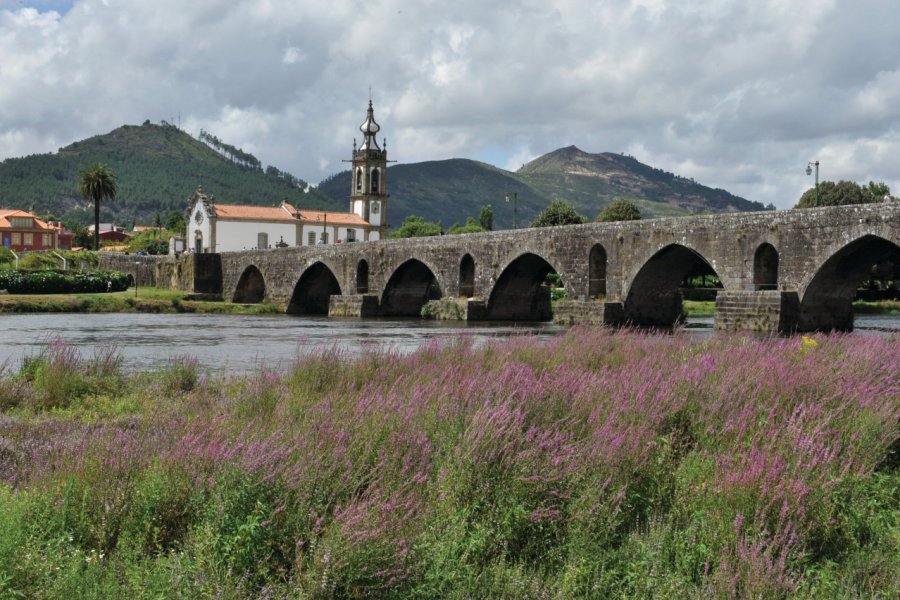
<point x="597" y="262"/>
<point x="409" y="287"/>
<point x="520" y="293"/>
<point x="251" y="287"/>
<point x="827" y="301"/>
<point x="653" y="298"/>
<point x="362" y="277"/>
<point x="467" y="276"/>
<point x="313" y="291"/>
<point x="765" y="267"/>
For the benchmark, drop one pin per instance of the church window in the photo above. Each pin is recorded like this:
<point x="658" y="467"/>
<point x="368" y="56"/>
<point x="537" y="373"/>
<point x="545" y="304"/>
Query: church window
<point x="311" y="238"/>
<point x="262" y="241"/>
<point x="375" y="182"/>
<point x="351" y="235"/>
<point x="359" y="180"/>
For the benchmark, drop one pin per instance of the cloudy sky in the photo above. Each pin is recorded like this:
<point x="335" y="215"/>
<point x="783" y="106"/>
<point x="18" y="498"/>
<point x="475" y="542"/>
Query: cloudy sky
<point x="736" y="94"/>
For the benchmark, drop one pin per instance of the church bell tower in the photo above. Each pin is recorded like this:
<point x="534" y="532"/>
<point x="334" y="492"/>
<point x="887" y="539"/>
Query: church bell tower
<point x="368" y="192"/>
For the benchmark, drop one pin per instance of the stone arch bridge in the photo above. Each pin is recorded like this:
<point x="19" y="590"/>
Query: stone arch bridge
<point x="780" y="271"/>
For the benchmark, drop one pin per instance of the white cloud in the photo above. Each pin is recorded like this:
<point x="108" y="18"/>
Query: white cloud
<point x="737" y="95"/>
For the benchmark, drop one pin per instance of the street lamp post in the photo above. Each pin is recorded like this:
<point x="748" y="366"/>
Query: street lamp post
<point x="809" y="171"/>
<point x="515" y="201"/>
<point x="137" y="271"/>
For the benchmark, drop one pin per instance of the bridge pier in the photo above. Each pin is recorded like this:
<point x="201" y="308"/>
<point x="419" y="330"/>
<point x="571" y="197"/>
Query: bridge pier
<point x="765" y="311"/>
<point x="354" y="305"/>
<point x="592" y="312"/>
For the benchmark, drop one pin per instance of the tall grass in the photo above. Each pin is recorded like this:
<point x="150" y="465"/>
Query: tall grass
<point x="597" y="464"/>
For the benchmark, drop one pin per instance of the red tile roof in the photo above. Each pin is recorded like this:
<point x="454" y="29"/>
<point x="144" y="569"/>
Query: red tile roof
<point x="6" y="213"/>
<point x="253" y="213"/>
<point x="285" y="212"/>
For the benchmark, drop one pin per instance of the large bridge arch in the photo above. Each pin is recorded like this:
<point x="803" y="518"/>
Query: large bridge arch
<point x="410" y="286"/>
<point x="251" y="287"/>
<point x="827" y="300"/>
<point x="520" y="293"/>
<point x="653" y="298"/>
<point x="313" y="291"/>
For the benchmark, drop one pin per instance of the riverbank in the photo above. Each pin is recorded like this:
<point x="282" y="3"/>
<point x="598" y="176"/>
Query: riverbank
<point x="146" y="300"/>
<point x="157" y="300"/>
<point x="598" y="464"/>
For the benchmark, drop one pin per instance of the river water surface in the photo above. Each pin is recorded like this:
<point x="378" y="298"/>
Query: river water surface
<point x="244" y="343"/>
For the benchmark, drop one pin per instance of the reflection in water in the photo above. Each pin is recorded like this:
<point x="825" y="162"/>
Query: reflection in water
<point x="243" y="343"/>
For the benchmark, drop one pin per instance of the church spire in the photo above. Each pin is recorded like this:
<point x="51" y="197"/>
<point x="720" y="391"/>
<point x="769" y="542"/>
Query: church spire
<point x="370" y="129"/>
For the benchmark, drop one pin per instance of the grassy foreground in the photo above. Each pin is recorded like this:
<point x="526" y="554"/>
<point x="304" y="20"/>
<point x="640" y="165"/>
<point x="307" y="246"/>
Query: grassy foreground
<point x="594" y="465"/>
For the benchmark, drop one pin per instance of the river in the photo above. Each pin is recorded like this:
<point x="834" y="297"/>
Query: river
<point x="244" y="343"/>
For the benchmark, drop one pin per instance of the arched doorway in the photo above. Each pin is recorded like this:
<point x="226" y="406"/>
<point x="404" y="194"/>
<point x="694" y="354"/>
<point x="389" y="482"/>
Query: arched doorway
<point x="522" y="292"/>
<point x="409" y="288"/>
<point x="313" y="291"/>
<point x="467" y="276"/>
<point x="251" y="287"/>
<point x="655" y="298"/>
<point x="597" y="272"/>
<point x="765" y="267"/>
<point x="362" y="277"/>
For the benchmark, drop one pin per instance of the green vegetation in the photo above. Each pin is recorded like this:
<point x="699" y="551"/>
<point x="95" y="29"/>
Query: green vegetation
<point x="98" y="183"/>
<point x="843" y="192"/>
<point x="621" y="209"/>
<point x="416" y="226"/>
<point x="157" y="167"/>
<point x="486" y="217"/>
<point x="80" y="260"/>
<point x="144" y="299"/>
<point x="558" y="213"/>
<point x="471" y="226"/>
<point x="62" y="282"/>
<point x="593" y="465"/>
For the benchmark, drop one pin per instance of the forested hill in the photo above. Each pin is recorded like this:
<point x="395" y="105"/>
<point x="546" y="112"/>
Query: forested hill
<point x="448" y="191"/>
<point x="157" y="167"/>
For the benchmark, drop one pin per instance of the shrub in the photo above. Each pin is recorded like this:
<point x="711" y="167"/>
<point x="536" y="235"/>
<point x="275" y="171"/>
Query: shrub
<point x="63" y="282"/>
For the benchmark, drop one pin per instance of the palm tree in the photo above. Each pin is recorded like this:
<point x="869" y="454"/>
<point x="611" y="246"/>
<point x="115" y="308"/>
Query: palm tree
<point x="98" y="183"/>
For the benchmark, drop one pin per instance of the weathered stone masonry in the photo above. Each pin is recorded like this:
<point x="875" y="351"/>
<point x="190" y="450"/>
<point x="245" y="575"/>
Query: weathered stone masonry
<point x="781" y="270"/>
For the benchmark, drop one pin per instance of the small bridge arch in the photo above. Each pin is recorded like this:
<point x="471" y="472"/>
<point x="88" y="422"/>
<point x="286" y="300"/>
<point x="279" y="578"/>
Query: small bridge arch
<point x="409" y="287"/>
<point x="521" y="292"/>
<point x="654" y="298"/>
<point x="313" y="291"/>
<point x="251" y="287"/>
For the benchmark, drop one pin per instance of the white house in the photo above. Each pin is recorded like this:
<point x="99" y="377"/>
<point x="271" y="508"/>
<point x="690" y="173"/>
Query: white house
<point x="233" y="227"/>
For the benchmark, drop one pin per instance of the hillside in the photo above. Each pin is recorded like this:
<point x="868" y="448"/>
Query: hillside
<point x="448" y="191"/>
<point x="157" y="167"/>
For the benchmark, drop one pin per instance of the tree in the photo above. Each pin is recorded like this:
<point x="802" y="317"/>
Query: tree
<point x="486" y="217"/>
<point x="416" y="226"/>
<point x="558" y="213"/>
<point x="842" y="192"/>
<point x="175" y="222"/>
<point x="470" y="227"/>
<point x="876" y="191"/>
<point x="620" y="210"/>
<point x="98" y="183"/>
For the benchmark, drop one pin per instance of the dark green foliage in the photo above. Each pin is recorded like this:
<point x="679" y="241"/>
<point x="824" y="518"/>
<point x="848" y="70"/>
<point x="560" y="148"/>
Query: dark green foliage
<point x="157" y="168"/>
<point x="841" y="193"/>
<point x="175" y="222"/>
<point x="486" y="217"/>
<point x="416" y="226"/>
<point x="620" y="210"/>
<point x="470" y="227"/>
<point x="62" y="282"/>
<point x="558" y="213"/>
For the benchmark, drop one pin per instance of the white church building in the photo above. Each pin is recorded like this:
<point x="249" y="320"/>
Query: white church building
<point x="215" y="227"/>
